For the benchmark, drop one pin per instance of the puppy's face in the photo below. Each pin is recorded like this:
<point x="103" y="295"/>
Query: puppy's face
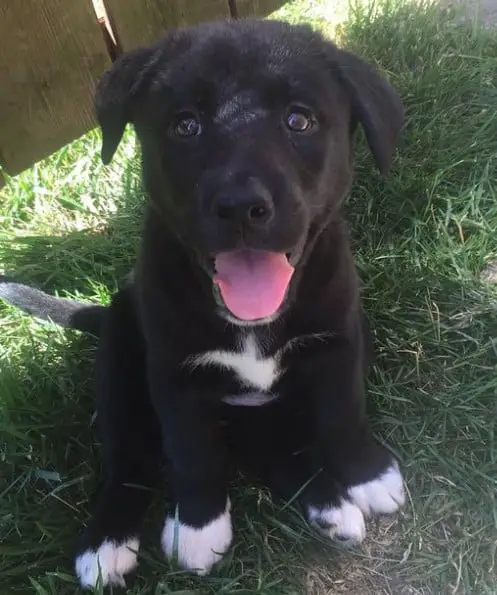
<point x="245" y="131"/>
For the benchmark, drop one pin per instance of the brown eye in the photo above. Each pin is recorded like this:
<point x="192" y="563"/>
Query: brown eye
<point x="186" y="125"/>
<point x="300" y="120"/>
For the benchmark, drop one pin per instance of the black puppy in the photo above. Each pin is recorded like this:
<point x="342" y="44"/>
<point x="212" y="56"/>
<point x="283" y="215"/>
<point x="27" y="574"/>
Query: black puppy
<point x="244" y="306"/>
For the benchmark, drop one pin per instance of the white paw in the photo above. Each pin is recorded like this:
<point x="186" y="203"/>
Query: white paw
<point x="344" y="523"/>
<point x="112" y="560"/>
<point x="198" y="549"/>
<point x="383" y="495"/>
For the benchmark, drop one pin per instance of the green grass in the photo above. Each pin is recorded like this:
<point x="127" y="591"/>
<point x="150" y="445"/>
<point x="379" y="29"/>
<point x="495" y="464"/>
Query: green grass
<point x="422" y="238"/>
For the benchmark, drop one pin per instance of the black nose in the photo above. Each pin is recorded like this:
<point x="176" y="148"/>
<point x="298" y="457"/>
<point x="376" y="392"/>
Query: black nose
<point x="249" y="206"/>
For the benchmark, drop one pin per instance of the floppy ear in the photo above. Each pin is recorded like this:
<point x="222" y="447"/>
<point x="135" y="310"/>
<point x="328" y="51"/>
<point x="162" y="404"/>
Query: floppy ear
<point x="116" y="94"/>
<point x="375" y="105"/>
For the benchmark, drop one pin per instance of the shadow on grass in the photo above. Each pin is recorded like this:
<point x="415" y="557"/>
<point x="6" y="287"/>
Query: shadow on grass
<point x="75" y="262"/>
<point x="49" y="456"/>
<point x="421" y="237"/>
<point x="49" y="442"/>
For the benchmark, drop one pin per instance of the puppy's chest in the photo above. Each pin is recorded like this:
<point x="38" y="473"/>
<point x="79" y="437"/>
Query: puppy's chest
<point x="255" y="367"/>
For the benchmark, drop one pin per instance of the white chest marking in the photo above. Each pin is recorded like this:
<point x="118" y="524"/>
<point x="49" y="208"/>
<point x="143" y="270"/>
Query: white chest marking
<point x="252" y="369"/>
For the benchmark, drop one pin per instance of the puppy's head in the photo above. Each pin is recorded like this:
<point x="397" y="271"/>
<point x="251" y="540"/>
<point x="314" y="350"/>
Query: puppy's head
<point x="245" y="129"/>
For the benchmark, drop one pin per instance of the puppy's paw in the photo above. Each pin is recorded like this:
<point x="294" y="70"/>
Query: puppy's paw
<point x="198" y="549"/>
<point x="383" y="495"/>
<point x="111" y="560"/>
<point x="343" y="523"/>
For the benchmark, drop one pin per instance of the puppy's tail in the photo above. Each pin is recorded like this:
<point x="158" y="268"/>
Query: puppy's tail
<point x="64" y="312"/>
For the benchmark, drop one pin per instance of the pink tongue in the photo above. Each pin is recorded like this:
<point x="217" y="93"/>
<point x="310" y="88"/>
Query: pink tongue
<point x="253" y="284"/>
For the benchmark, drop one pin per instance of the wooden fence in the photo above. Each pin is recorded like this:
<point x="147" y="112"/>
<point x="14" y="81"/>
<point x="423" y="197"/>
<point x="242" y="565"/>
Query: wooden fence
<point x="53" y="51"/>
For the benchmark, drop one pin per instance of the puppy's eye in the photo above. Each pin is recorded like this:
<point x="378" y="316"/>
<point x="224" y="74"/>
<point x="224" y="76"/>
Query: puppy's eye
<point x="186" y="125"/>
<point x="300" y="119"/>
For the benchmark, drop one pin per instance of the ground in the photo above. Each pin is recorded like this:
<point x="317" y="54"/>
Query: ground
<point x="422" y="236"/>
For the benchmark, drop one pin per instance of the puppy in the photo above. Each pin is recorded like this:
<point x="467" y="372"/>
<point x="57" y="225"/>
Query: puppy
<point x="244" y="304"/>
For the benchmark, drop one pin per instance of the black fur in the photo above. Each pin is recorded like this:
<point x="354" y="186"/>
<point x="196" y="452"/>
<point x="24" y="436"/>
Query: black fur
<point x="151" y="402"/>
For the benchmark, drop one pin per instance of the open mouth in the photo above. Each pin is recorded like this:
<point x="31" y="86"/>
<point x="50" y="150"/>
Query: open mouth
<point x="252" y="283"/>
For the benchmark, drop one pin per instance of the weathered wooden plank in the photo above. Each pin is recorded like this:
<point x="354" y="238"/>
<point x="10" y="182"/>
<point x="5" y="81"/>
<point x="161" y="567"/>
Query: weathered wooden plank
<point x="51" y="53"/>
<point x="137" y="22"/>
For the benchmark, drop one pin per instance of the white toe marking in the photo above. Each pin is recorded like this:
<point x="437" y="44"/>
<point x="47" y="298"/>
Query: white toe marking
<point x="344" y="522"/>
<point x="198" y="549"/>
<point x="383" y="495"/>
<point x="111" y="559"/>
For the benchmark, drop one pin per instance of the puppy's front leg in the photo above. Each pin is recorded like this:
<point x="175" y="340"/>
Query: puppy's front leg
<point x="344" y="443"/>
<point x="199" y="532"/>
